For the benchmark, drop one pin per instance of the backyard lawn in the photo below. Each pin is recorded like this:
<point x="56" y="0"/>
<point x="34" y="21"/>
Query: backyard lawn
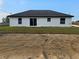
<point x="41" y="30"/>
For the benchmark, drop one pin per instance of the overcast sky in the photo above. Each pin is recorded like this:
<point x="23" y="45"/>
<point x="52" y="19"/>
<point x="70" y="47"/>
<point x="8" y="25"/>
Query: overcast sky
<point x="66" y="6"/>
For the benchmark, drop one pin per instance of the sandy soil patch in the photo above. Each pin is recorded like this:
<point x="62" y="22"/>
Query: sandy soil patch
<point x="39" y="46"/>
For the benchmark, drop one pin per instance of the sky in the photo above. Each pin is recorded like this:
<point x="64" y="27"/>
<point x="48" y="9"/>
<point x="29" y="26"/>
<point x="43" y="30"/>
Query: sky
<point x="15" y="6"/>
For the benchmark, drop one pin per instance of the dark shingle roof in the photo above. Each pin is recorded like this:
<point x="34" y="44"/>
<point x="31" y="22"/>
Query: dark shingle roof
<point x="40" y="13"/>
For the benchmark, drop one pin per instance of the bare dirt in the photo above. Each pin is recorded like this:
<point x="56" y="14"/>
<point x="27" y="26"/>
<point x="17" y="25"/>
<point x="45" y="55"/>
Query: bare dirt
<point x="39" y="46"/>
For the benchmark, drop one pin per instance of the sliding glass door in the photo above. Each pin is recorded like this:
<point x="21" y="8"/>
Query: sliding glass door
<point x="33" y="22"/>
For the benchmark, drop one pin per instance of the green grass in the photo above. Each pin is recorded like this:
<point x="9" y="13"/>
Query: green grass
<point x="40" y="30"/>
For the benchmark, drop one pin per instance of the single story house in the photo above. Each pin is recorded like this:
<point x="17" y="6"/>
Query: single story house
<point x="40" y="18"/>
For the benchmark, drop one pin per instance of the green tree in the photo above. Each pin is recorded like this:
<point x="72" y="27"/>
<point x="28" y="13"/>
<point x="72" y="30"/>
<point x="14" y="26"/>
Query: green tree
<point x="5" y="20"/>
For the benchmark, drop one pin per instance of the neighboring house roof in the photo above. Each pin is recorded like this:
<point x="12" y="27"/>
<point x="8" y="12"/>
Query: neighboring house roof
<point x="40" y="13"/>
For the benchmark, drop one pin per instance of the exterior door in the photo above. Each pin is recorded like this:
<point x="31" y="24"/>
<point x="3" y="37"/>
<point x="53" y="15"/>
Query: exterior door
<point x="33" y="22"/>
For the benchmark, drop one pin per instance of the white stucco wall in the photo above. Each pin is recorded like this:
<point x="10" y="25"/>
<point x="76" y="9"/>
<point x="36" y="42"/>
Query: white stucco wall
<point x="41" y="22"/>
<point x="14" y="22"/>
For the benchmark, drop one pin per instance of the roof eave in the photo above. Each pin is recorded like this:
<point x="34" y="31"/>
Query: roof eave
<point x="40" y="16"/>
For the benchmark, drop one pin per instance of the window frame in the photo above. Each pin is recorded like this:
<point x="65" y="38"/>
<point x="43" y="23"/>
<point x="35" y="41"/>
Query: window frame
<point x="19" y="20"/>
<point x="48" y="19"/>
<point x="62" y="20"/>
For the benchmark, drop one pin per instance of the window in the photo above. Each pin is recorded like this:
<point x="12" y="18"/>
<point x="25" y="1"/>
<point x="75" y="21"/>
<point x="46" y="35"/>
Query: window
<point x="62" y="21"/>
<point x="48" y="19"/>
<point x="19" y="20"/>
<point x="33" y="22"/>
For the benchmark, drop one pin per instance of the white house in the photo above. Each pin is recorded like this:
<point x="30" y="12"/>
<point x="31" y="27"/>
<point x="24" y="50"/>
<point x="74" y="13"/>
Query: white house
<point x="40" y="18"/>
